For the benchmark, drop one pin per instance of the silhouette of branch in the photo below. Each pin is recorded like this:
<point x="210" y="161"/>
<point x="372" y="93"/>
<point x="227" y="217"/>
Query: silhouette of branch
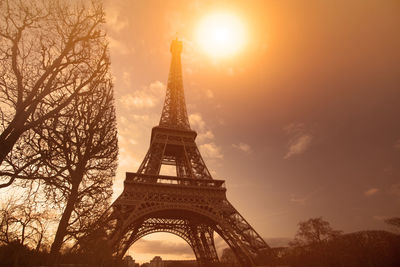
<point x="50" y="53"/>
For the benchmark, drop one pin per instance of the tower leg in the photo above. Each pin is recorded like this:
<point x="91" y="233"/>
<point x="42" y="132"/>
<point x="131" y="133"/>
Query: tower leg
<point x="207" y="239"/>
<point x="203" y="245"/>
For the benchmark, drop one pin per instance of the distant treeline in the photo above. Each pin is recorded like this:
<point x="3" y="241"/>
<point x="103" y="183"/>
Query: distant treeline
<point x="316" y="244"/>
<point x="365" y="248"/>
<point x="360" y="249"/>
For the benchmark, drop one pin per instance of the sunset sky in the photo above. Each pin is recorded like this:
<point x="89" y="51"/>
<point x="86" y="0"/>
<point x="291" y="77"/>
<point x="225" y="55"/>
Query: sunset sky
<point x="302" y="120"/>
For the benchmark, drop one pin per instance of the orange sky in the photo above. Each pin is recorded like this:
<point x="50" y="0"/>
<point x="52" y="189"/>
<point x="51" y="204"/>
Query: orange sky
<point x="303" y="122"/>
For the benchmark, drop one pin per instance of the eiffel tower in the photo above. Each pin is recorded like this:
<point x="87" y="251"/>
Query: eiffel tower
<point x="191" y="205"/>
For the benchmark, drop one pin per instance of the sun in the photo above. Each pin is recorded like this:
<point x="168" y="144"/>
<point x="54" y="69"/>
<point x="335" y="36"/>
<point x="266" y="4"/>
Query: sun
<point x="221" y="34"/>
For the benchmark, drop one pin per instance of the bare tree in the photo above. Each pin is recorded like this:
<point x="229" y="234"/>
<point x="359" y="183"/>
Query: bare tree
<point x="50" y="51"/>
<point x="21" y="222"/>
<point x="81" y="149"/>
<point x="57" y="115"/>
<point x="314" y="231"/>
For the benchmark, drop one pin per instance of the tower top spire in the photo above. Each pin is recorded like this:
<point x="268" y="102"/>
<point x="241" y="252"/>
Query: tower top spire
<point x="174" y="114"/>
<point x="176" y="47"/>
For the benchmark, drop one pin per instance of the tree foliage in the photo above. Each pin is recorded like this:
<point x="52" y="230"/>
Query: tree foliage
<point x="318" y="245"/>
<point x="394" y="222"/>
<point x="359" y="249"/>
<point x="313" y="231"/>
<point x="228" y="258"/>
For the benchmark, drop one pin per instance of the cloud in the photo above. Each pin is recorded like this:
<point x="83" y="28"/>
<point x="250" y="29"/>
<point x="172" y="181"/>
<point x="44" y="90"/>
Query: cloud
<point x="114" y="21"/>
<point x="299" y="139"/>
<point x="397" y="145"/>
<point x="202" y="137"/>
<point x="211" y="151"/>
<point x="277" y="241"/>
<point x="371" y="192"/>
<point x="274" y="242"/>
<point x="119" y="47"/>
<point x="147" y="97"/>
<point x="126" y="159"/>
<point x="299" y="200"/>
<point x="163" y="247"/>
<point x="208" y="150"/>
<point x="197" y="122"/>
<point x="243" y="147"/>
<point x="303" y="199"/>
<point x="138" y="101"/>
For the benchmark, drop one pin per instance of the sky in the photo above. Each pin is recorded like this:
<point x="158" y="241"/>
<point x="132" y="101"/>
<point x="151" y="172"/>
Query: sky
<point x="302" y="121"/>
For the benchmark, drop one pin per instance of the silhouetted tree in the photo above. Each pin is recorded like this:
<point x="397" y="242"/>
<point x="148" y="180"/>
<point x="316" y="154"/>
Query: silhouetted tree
<point x="81" y="145"/>
<point x="22" y="223"/>
<point x="309" y="243"/>
<point x="50" y="52"/>
<point x="58" y="120"/>
<point x="395" y="222"/>
<point x="23" y="228"/>
<point x="359" y="249"/>
<point x="228" y="258"/>
<point x="313" y="231"/>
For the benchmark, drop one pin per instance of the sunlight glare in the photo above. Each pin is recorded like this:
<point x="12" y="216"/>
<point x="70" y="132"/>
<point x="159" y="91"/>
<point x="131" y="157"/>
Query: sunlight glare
<point x="221" y="34"/>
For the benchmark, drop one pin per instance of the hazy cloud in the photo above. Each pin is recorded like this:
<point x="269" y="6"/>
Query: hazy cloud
<point x="243" y="147"/>
<point x="202" y="137"/>
<point x="220" y="244"/>
<point x="278" y="241"/>
<point x="299" y="200"/>
<point x="211" y="151"/>
<point x="126" y="159"/>
<point x="197" y="122"/>
<point x="114" y="20"/>
<point x="304" y="198"/>
<point x="371" y="192"/>
<point x="147" y="97"/>
<point x="163" y="247"/>
<point x="119" y="47"/>
<point x="299" y="139"/>
<point x="138" y="101"/>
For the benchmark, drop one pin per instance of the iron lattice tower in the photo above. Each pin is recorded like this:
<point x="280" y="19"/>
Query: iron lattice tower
<point x="191" y="204"/>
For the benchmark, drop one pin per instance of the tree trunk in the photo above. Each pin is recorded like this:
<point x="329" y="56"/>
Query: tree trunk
<point x="9" y="137"/>
<point x="62" y="226"/>
<point x="8" y="143"/>
<point x="5" y="148"/>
